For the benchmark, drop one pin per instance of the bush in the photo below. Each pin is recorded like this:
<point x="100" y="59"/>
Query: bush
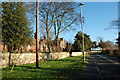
<point x="116" y="52"/>
<point x="112" y="52"/>
<point x="108" y="51"/>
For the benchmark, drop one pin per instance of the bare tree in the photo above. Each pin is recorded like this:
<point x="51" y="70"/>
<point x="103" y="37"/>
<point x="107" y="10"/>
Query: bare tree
<point x="99" y="39"/>
<point x="57" y="17"/>
<point x="115" y="24"/>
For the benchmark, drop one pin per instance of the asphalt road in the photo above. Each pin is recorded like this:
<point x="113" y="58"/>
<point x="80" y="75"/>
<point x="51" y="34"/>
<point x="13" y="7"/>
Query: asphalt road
<point x="102" y="67"/>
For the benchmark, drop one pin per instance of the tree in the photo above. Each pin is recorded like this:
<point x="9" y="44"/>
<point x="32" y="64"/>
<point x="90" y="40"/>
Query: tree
<point x="118" y="41"/>
<point x="100" y="38"/>
<point x="77" y="45"/>
<point x="57" y="17"/>
<point x="106" y="44"/>
<point x="115" y="24"/>
<point x="102" y="45"/>
<point x="94" y="44"/>
<point x="15" y="25"/>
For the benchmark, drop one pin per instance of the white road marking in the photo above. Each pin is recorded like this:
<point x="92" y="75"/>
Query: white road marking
<point x="108" y="59"/>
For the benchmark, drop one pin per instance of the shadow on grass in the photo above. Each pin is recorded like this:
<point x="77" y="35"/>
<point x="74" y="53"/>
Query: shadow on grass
<point x="77" y="58"/>
<point x="68" y="68"/>
<point x="73" y="72"/>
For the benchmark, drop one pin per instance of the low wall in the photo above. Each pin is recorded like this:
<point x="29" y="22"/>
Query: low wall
<point x="95" y="51"/>
<point x="25" y="58"/>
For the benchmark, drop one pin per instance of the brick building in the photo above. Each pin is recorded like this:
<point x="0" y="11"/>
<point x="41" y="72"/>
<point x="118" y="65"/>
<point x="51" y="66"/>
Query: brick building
<point x="31" y="47"/>
<point x="62" y="44"/>
<point x="43" y="44"/>
<point x="2" y="46"/>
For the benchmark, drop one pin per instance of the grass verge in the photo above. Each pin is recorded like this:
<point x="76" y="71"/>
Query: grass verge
<point x="68" y="68"/>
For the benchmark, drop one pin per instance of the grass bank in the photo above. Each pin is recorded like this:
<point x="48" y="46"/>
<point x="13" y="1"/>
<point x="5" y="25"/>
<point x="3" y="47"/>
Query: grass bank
<point x="68" y="68"/>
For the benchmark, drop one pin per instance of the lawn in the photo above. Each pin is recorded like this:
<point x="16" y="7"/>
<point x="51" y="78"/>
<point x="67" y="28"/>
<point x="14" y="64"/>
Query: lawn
<point x="67" y="68"/>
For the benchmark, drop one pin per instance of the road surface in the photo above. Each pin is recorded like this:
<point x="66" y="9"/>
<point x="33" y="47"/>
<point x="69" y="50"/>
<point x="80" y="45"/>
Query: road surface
<point x="102" y="67"/>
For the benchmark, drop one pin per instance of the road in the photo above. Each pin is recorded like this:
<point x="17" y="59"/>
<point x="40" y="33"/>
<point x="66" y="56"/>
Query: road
<point x="102" y="67"/>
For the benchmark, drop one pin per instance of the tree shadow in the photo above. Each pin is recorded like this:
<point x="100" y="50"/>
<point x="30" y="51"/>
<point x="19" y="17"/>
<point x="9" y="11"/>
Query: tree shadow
<point x="9" y="59"/>
<point x="70" y="53"/>
<point x="70" y="73"/>
<point x="48" y="55"/>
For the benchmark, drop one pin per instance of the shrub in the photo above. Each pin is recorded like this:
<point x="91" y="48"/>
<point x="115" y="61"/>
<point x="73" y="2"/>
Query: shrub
<point x="116" y="52"/>
<point x="108" y="51"/>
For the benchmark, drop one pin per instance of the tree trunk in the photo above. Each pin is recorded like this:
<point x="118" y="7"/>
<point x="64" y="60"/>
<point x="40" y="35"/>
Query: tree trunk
<point x="4" y="46"/>
<point x="10" y="51"/>
<point x="48" y="41"/>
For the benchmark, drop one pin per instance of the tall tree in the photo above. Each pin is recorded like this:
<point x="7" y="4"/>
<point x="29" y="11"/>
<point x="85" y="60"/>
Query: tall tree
<point x="57" y="17"/>
<point x="102" y="44"/>
<point x="15" y="25"/>
<point x="115" y="24"/>
<point x="77" y="45"/>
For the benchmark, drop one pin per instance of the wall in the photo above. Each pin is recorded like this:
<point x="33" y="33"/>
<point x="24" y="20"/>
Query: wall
<point x="25" y="58"/>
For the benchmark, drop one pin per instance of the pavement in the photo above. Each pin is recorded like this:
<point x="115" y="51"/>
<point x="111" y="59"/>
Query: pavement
<point x="102" y="67"/>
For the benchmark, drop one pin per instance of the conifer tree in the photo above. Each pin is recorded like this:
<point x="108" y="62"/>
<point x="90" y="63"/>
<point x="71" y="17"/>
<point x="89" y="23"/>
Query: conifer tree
<point x="15" y="25"/>
<point x="77" y="45"/>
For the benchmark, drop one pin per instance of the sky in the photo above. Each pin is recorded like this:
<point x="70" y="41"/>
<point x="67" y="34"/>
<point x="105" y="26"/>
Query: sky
<point x="98" y="16"/>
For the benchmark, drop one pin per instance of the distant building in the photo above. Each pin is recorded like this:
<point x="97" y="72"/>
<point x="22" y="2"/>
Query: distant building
<point x="62" y="44"/>
<point x="30" y="47"/>
<point x="68" y="46"/>
<point x="2" y="46"/>
<point x="44" y="47"/>
<point x="43" y="44"/>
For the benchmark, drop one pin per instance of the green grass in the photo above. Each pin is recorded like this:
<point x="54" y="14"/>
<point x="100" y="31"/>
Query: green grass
<point x="71" y="67"/>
